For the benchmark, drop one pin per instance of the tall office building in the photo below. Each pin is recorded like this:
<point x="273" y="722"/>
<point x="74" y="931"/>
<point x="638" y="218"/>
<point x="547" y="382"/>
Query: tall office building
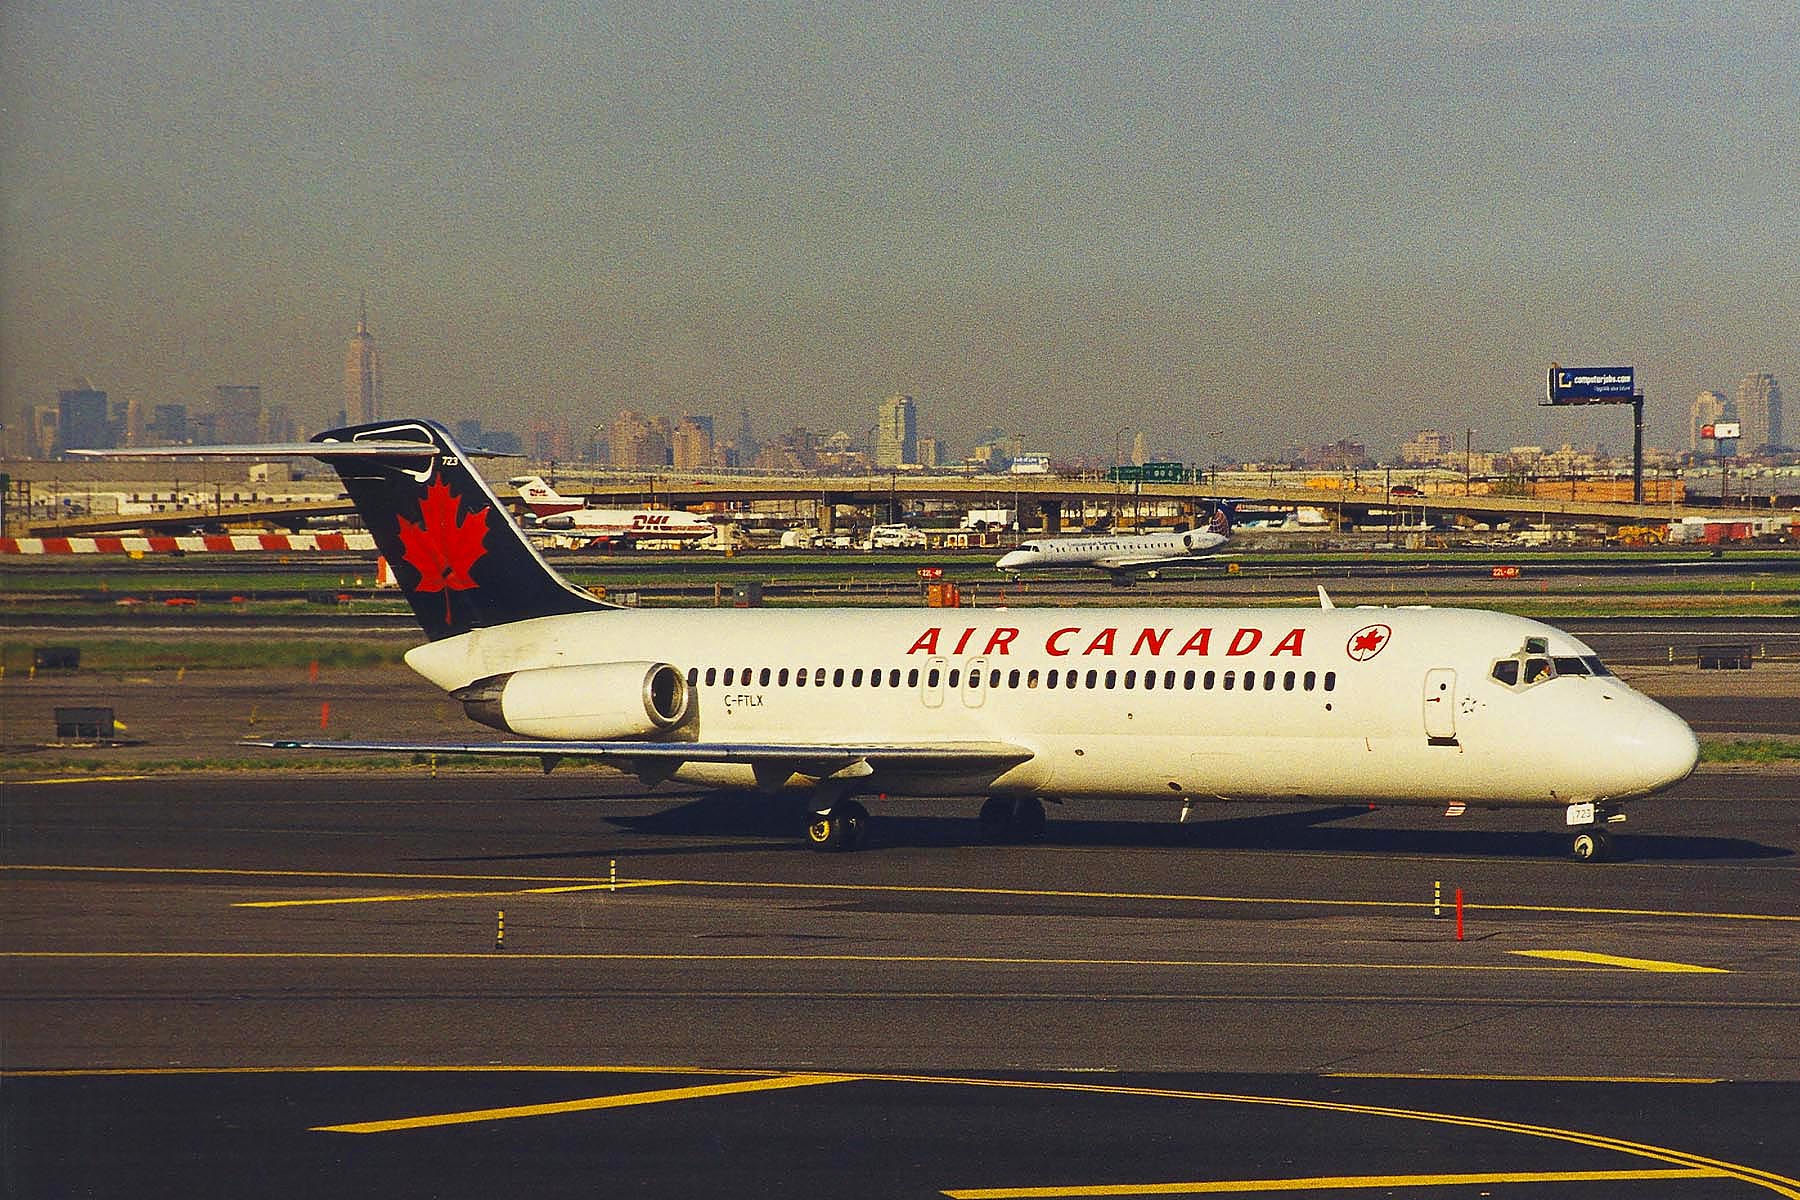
<point x="237" y="414"/>
<point x="638" y="441"/>
<point x="1427" y="448"/>
<point x="1759" y="412"/>
<point x="362" y="374"/>
<point x="1709" y="409"/>
<point x="83" y="421"/>
<point x="693" y="444"/>
<point x="897" y="432"/>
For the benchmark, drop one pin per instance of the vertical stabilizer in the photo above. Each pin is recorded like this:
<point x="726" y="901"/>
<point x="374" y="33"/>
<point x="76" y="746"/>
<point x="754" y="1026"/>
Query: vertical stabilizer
<point x="456" y="554"/>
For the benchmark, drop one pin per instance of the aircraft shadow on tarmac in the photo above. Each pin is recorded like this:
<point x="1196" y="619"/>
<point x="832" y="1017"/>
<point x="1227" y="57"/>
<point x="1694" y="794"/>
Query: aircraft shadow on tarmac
<point x="760" y="820"/>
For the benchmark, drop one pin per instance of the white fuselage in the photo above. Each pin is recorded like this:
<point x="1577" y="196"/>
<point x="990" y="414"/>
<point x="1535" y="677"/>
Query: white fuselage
<point x="1389" y="705"/>
<point x="1112" y="552"/>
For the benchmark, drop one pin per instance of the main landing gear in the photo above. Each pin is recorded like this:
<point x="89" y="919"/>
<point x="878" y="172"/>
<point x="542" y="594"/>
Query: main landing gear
<point x="837" y="827"/>
<point x="1011" y="819"/>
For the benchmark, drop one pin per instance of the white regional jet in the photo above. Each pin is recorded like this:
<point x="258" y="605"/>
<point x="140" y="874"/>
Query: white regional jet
<point x="1438" y="707"/>
<point x="553" y="512"/>
<point x="1124" y="556"/>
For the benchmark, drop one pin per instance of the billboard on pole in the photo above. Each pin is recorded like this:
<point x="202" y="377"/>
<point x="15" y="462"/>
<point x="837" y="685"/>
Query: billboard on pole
<point x="1590" y="385"/>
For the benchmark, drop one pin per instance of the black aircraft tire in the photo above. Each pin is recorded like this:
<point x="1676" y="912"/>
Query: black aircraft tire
<point x="996" y="819"/>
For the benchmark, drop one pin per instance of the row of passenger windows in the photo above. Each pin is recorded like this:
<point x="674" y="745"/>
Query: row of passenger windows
<point x="1071" y="679"/>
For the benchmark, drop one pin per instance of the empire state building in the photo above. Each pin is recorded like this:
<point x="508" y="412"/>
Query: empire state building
<point x="362" y="375"/>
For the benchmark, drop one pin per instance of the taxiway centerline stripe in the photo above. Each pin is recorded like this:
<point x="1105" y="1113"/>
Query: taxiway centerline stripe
<point x="1328" y="1183"/>
<point x="1615" y="960"/>
<point x="81" y="779"/>
<point x="388" y="1069"/>
<point x="1481" y="1078"/>
<point x="589" y="1104"/>
<point x="404" y="897"/>
<point x="1768" y="1180"/>
<point x="942" y="890"/>
<point x="502" y="956"/>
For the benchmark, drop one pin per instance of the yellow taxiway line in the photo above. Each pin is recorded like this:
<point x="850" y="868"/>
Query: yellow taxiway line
<point x="1324" y="1183"/>
<point x="593" y="883"/>
<point x="588" y="1104"/>
<point x="505" y="956"/>
<point x="1678" y="1164"/>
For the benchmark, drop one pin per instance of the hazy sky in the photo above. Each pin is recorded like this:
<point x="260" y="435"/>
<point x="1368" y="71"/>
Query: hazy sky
<point x="1235" y="226"/>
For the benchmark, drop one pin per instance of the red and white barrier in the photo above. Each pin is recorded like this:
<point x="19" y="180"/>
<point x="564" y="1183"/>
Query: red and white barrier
<point x="196" y="544"/>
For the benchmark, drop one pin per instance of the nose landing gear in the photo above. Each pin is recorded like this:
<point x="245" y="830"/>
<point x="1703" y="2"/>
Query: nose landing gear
<point x="1590" y="840"/>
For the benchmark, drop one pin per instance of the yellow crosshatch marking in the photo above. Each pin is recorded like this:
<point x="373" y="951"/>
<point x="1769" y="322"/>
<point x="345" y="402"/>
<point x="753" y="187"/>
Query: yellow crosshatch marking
<point x="588" y="1104"/>
<point x="1614" y="960"/>
<point x="1234" y="1187"/>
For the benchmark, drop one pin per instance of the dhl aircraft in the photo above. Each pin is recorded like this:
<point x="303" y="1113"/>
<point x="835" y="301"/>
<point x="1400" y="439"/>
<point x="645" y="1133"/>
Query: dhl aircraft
<point x="1125" y="556"/>
<point x="551" y="511"/>
<point x="1421" y="706"/>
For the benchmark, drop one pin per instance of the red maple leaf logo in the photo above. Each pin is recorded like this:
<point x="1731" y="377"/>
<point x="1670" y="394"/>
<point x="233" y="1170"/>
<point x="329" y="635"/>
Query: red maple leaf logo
<point x="1367" y="642"/>
<point x="443" y="546"/>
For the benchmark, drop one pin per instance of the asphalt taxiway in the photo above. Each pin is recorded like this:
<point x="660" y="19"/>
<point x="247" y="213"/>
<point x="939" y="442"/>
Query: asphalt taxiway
<point x="301" y="983"/>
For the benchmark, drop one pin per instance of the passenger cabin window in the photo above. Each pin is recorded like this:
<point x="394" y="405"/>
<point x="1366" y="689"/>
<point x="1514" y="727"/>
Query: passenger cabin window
<point x="764" y="679"/>
<point x="728" y="673"/>
<point x="712" y="676"/>
<point x="856" y="677"/>
<point x="912" y="678"/>
<point x="693" y="676"/>
<point x="956" y="677"/>
<point x="837" y="677"/>
<point x="800" y="677"/>
<point x="932" y="677"/>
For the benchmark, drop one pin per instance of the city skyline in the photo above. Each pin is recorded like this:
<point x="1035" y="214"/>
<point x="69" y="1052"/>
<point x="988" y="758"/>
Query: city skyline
<point x="1232" y="230"/>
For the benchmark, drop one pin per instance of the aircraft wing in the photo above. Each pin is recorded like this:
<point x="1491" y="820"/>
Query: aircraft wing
<point x="778" y="760"/>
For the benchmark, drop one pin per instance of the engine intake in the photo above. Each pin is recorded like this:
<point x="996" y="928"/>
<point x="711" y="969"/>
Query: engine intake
<point x="598" y="702"/>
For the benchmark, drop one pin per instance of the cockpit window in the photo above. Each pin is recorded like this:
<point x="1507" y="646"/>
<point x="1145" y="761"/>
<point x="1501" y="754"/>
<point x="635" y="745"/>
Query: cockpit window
<point x="1534" y="664"/>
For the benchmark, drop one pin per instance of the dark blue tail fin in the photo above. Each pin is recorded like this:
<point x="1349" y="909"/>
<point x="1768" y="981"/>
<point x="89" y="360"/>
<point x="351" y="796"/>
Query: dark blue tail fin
<point x="455" y="552"/>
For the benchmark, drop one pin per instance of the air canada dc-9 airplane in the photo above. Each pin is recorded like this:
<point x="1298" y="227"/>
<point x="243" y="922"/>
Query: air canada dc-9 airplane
<point x="1445" y="708"/>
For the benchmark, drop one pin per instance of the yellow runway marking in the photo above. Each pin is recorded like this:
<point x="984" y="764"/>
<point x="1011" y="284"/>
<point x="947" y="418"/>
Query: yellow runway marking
<point x="1614" y="960"/>
<point x="507" y="956"/>
<point x="403" y="897"/>
<point x="1402" y="906"/>
<point x="1326" y="1183"/>
<point x="1518" y="1078"/>
<point x="82" y="779"/>
<point x="1686" y="1164"/>
<point x="589" y="1104"/>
